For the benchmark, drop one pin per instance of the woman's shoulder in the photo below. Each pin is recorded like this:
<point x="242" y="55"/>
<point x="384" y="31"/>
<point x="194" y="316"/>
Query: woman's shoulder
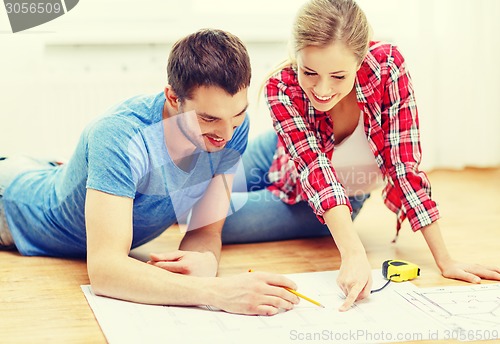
<point x="286" y="74"/>
<point x="380" y="61"/>
<point x="382" y="52"/>
<point x="285" y="80"/>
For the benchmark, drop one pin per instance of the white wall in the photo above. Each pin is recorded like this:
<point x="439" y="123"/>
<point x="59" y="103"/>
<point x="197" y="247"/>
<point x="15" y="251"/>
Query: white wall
<point x="55" y="78"/>
<point x="452" y="48"/>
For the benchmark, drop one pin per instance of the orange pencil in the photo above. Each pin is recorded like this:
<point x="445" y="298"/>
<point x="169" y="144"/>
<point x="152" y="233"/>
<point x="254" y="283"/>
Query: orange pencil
<point x="300" y="295"/>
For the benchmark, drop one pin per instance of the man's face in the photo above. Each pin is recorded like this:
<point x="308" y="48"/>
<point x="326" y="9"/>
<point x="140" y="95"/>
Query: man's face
<point x="208" y="119"/>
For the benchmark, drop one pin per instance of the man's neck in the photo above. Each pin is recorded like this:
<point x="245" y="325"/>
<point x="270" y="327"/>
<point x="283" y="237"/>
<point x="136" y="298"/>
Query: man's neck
<point x="179" y="148"/>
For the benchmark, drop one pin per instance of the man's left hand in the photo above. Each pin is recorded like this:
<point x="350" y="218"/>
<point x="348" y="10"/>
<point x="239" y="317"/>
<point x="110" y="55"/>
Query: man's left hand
<point x="202" y="264"/>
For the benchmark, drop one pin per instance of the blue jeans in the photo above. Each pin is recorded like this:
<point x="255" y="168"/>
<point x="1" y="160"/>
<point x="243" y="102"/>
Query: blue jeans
<point x="264" y="217"/>
<point x="9" y="169"/>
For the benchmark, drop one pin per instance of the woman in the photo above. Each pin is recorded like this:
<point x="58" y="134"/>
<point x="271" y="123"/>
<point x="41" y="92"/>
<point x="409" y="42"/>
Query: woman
<point x="346" y="120"/>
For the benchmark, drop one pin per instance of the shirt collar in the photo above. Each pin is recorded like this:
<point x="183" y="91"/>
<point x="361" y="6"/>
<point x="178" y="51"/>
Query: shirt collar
<point x="368" y="80"/>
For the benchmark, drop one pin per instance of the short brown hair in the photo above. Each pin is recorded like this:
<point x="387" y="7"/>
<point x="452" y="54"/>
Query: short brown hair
<point x="208" y="57"/>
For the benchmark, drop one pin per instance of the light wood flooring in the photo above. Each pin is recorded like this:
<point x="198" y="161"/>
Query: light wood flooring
<point x="41" y="300"/>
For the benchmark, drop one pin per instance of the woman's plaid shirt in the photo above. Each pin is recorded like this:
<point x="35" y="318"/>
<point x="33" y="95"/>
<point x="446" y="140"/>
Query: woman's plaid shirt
<point x="302" y="168"/>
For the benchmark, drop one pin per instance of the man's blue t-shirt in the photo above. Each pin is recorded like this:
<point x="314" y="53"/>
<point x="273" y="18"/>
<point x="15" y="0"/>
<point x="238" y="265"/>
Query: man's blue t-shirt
<point x="122" y="153"/>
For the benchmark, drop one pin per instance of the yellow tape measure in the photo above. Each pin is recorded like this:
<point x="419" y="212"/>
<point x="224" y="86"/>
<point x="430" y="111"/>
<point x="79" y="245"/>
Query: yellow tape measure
<point x="399" y="270"/>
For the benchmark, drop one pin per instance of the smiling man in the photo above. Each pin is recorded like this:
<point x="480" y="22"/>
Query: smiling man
<point x="135" y="171"/>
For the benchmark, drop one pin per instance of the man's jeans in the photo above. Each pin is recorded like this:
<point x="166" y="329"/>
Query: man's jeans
<point x="263" y="216"/>
<point x="9" y="169"/>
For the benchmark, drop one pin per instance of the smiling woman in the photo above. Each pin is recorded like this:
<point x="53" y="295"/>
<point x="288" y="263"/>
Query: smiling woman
<point x="327" y="83"/>
<point x="340" y="91"/>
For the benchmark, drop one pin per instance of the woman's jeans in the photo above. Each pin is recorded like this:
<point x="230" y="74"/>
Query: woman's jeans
<point x="263" y="216"/>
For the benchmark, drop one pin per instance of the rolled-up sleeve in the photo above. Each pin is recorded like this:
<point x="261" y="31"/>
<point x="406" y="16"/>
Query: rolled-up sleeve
<point x="410" y="192"/>
<point x="316" y="175"/>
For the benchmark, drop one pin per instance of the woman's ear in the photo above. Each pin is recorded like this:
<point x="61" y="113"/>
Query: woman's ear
<point x="171" y="98"/>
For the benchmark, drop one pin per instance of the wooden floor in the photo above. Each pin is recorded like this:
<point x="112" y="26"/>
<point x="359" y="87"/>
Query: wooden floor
<point x="41" y="300"/>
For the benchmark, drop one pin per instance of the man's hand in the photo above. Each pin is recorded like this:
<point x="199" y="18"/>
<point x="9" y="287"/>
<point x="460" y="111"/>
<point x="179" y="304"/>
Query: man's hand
<point x="256" y="293"/>
<point x="201" y="264"/>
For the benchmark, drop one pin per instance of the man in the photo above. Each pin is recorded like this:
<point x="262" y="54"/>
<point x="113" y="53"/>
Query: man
<point x="136" y="170"/>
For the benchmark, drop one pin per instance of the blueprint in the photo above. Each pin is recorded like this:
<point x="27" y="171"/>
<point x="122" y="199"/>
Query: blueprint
<point x="470" y="312"/>
<point x="400" y="312"/>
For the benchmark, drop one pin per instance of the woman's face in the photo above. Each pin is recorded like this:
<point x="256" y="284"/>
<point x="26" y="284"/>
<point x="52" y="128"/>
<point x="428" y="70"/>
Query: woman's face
<point x="326" y="74"/>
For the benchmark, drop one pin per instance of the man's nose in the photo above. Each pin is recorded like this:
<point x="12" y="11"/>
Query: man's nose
<point x="225" y="130"/>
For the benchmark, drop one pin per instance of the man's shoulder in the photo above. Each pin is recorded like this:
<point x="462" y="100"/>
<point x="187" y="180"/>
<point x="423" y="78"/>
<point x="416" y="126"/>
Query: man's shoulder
<point x="111" y="125"/>
<point x="146" y="101"/>
<point x="130" y="115"/>
<point x="143" y="108"/>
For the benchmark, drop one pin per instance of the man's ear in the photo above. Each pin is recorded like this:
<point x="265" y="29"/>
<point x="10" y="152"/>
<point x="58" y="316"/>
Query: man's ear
<point x="172" y="98"/>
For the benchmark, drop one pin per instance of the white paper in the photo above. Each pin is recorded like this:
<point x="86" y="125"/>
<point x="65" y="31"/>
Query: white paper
<point x="400" y="312"/>
<point x="468" y="313"/>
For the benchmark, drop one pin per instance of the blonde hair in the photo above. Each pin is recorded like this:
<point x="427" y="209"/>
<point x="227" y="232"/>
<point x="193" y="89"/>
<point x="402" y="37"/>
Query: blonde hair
<point x="323" y="22"/>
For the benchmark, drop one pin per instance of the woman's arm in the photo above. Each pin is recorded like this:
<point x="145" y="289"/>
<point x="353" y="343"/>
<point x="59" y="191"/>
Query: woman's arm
<point x="412" y="187"/>
<point x="297" y="129"/>
<point x="355" y="276"/>
<point x="409" y="192"/>
<point x="450" y="268"/>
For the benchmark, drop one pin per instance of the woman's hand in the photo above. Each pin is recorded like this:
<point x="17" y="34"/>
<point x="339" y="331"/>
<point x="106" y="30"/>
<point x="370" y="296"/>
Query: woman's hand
<point x="355" y="276"/>
<point x="355" y="279"/>
<point x="202" y="264"/>
<point x="450" y="268"/>
<point x="472" y="273"/>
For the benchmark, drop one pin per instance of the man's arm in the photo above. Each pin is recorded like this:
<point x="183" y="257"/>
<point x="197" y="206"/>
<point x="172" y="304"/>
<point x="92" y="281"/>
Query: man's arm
<point x="114" y="274"/>
<point x="204" y="233"/>
<point x="208" y="217"/>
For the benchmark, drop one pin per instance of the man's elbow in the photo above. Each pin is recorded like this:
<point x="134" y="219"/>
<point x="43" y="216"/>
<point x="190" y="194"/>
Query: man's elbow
<point x="100" y="278"/>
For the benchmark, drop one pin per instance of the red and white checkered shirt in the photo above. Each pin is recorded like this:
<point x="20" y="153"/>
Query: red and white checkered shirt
<point x="302" y="168"/>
